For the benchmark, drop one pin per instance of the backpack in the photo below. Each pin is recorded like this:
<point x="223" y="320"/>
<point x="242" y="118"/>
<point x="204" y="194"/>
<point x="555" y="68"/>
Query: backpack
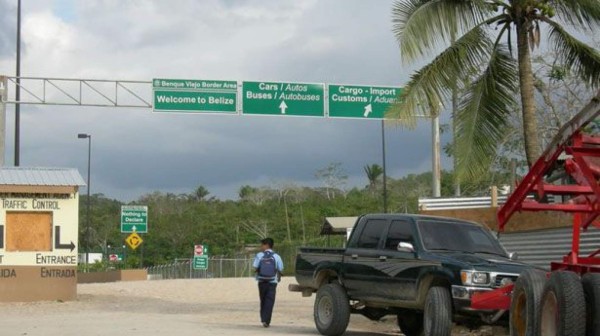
<point x="267" y="267"/>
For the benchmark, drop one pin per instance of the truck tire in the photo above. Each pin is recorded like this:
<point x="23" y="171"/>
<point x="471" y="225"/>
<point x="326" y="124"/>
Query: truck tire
<point x="411" y="322"/>
<point x="591" y="289"/>
<point x="563" y="305"/>
<point x="437" y="317"/>
<point x="332" y="310"/>
<point x="525" y="304"/>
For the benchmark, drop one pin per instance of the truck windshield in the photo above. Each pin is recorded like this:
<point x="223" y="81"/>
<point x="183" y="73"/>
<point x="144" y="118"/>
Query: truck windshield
<point x="456" y="236"/>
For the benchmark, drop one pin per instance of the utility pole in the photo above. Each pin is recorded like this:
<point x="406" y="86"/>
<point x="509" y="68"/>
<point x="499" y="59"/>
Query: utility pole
<point x="3" y="98"/>
<point x="18" y="90"/>
<point x="435" y="150"/>
<point x="384" y="172"/>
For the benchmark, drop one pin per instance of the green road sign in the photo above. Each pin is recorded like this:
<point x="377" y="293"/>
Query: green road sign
<point x="365" y="102"/>
<point x="134" y="218"/>
<point x="270" y="98"/>
<point x="200" y="262"/>
<point x="194" y="95"/>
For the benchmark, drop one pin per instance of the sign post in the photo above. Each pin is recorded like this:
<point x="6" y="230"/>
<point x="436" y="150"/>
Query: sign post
<point x="134" y="218"/>
<point x="364" y="102"/>
<point x="177" y="95"/>
<point x="294" y="99"/>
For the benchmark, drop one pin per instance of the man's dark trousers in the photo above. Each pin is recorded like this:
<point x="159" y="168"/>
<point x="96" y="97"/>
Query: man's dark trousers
<point x="267" y="292"/>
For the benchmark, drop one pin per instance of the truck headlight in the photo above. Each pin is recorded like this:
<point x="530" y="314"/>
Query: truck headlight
<point x="475" y="278"/>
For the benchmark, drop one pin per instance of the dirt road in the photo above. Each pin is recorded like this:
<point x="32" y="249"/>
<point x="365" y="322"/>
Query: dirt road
<point x="175" y="308"/>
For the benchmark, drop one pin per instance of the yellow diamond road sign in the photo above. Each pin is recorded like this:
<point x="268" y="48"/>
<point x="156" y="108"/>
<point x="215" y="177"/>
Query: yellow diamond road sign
<point x="134" y="240"/>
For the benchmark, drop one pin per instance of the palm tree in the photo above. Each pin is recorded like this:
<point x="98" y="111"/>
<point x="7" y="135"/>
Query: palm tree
<point x="479" y="63"/>
<point x="373" y="172"/>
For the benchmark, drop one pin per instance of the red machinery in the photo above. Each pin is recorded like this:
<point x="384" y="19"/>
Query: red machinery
<point x="573" y="157"/>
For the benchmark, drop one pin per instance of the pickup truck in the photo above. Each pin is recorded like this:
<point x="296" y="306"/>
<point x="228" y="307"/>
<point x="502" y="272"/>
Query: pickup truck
<point x="423" y="269"/>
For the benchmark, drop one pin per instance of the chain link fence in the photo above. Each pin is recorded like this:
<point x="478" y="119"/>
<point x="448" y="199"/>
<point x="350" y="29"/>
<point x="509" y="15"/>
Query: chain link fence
<point x="216" y="268"/>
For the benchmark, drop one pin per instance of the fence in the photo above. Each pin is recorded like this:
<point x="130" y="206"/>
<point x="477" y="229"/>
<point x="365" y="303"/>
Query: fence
<point x="217" y="268"/>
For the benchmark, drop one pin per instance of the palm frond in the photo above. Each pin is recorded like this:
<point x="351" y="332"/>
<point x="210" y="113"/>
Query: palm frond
<point x="575" y="55"/>
<point x="481" y="120"/>
<point x="422" y="25"/>
<point x="432" y="85"/>
<point x="578" y="13"/>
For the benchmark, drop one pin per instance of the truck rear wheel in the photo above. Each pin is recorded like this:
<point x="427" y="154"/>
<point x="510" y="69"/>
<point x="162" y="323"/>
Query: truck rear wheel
<point x="411" y="323"/>
<point x="526" y="303"/>
<point x="332" y="310"/>
<point x="591" y="289"/>
<point x="438" y="312"/>
<point x="563" y="305"/>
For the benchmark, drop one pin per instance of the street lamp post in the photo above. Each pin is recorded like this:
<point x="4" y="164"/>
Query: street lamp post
<point x="384" y="172"/>
<point x="87" y="225"/>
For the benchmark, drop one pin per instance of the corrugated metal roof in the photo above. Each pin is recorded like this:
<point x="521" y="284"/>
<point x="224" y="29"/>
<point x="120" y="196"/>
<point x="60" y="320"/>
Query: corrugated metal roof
<point x="38" y="176"/>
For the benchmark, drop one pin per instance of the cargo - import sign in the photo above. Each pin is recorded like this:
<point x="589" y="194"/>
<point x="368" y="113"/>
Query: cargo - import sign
<point x="275" y="98"/>
<point x="134" y="218"/>
<point x="365" y="102"/>
<point x="194" y="96"/>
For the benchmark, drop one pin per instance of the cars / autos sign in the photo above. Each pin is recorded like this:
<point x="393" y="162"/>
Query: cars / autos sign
<point x="275" y="98"/>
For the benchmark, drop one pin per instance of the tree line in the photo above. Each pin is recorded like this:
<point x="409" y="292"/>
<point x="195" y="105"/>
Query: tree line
<point x="291" y="214"/>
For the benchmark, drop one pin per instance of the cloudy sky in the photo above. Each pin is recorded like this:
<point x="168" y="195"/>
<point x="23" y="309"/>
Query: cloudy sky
<point x="135" y="151"/>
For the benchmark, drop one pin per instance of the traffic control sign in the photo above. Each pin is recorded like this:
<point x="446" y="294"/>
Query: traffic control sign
<point x="134" y="218"/>
<point x="365" y="102"/>
<point x="178" y="95"/>
<point x="275" y="98"/>
<point x="200" y="250"/>
<point x="134" y="240"/>
<point x="200" y="262"/>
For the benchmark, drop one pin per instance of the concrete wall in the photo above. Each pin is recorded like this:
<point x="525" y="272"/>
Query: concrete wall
<point x="112" y="276"/>
<point x="524" y="221"/>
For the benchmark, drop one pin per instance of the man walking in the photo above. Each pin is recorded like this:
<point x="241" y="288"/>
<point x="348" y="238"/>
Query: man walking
<point x="269" y="267"/>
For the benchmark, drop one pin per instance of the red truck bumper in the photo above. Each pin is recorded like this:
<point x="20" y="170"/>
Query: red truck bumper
<point x="498" y="299"/>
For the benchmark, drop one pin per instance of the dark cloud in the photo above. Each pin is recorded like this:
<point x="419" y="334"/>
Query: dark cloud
<point x="136" y="151"/>
<point x="8" y="28"/>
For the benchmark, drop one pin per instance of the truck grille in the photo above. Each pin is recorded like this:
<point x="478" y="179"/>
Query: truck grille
<point x="500" y="277"/>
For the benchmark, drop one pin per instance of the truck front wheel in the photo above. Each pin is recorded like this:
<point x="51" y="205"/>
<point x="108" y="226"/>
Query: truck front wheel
<point x="438" y="312"/>
<point x="332" y="310"/>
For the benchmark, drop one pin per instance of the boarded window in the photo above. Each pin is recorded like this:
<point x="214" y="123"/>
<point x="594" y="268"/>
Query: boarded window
<point x="28" y="231"/>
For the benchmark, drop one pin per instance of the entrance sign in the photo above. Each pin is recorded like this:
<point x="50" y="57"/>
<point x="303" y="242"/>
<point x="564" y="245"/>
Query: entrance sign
<point x="275" y="98"/>
<point x="365" y="102"/>
<point x="134" y="218"/>
<point x="177" y="95"/>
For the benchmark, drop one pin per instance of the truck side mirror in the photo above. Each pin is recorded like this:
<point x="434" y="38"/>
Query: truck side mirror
<point x="513" y="256"/>
<point x="405" y="247"/>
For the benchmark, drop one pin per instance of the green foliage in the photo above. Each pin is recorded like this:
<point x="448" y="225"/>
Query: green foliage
<point x="234" y="228"/>
<point x="476" y="38"/>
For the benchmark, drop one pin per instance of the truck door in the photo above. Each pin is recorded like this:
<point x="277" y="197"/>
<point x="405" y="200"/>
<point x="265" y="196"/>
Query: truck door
<point x="398" y="270"/>
<point x="361" y="257"/>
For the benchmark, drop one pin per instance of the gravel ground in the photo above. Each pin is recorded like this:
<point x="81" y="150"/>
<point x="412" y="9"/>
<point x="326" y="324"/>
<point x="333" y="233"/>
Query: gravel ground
<point x="178" y="307"/>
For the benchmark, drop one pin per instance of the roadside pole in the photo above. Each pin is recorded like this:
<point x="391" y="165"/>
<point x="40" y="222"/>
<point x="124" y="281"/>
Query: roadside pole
<point x="3" y="98"/>
<point x="435" y="141"/>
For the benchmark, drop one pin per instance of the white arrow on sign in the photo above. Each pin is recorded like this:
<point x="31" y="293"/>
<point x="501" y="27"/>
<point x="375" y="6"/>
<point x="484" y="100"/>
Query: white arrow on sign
<point x="368" y="110"/>
<point x="134" y="228"/>
<point x="282" y="107"/>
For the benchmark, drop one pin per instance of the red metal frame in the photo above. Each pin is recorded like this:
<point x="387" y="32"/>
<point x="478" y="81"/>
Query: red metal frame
<point x="581" y="154"/>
